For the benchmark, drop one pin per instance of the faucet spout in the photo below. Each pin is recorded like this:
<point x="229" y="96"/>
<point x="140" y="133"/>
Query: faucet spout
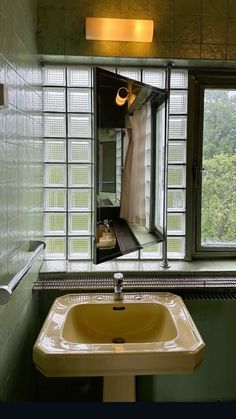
<point x="118" y="286"/>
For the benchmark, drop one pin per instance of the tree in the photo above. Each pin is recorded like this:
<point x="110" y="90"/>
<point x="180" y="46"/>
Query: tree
<point x="219" y="161"/>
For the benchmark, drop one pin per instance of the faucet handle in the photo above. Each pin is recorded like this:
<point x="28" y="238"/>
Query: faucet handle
<point x="118" y="278"/>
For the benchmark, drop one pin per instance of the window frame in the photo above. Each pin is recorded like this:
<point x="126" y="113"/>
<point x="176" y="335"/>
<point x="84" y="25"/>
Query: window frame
<point x="199" y="81"/>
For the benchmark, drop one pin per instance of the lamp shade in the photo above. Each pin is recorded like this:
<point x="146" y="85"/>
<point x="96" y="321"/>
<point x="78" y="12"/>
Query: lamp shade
<point x="106" y="29"/>
<point x="122" y="96"/>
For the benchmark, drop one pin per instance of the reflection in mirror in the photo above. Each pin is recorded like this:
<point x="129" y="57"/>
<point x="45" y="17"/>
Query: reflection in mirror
<point x="130" y="138"/>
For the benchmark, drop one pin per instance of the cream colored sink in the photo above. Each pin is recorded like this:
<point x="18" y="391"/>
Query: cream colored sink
<point x="119" y="323"/>
<point x="93" y="335"/>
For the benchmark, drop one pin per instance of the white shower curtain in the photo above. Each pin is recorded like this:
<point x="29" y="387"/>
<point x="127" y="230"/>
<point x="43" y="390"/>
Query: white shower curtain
<point x="132" y="204"/>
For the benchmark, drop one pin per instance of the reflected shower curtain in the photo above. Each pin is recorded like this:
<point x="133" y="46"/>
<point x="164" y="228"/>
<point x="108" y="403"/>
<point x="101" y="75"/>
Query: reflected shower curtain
<point x="132" y="203"/>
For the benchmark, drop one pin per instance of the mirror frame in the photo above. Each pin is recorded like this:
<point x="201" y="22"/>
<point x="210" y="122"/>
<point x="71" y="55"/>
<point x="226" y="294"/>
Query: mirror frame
<point x="156" y="97"/>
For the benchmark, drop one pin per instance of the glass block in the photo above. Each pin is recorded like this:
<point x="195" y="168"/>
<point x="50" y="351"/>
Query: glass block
<point x="176" y="200"/>
<point x="55" y="199"/>
<point x="130" y="73"/>
<point x="179" y="79"/>
<point x="151" y="252"/>
<point x="79" y="100"/>
<point x="147" y="174"/>
<point x="79" y="200"/>
<point x="178" y="101"/>
<point x="79" y="175"/>
<point x="54" y="125"/>
<point x="79" y="248"/>
<point x="147" y="157"/>
<point x="55" y="248"/>
<point x="54" y="99"/>
<point x="79" y="77"/>
<point x="54" y="76"/>
<point x="133" y="255"/>
<point x="79" y="224"/>
<point x="176" y="223"/>
<point x="178" y="127"/>
<point x="55" y="175"/>
<point x="79" y="151"/>
<point x="176" y="176"/>
<point x="155" y="78"/>
<point x="176" y="151"/>
<point x="55" y="224"/>
<point x="54" y="150"/>
<point x="175" y="247"/>
<point x="79" y="126"/>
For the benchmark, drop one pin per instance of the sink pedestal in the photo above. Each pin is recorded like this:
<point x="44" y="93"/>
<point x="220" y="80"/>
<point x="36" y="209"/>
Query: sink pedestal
<point x="119" y="388"/>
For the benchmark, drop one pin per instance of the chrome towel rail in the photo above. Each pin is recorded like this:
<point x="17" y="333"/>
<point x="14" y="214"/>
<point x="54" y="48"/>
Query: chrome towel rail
<point x="6" y="290"/>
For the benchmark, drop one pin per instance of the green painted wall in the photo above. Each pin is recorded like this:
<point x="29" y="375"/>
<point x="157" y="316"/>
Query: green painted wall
<point x="21" y="189"/>
<point x="183" y="28"/>
<point x="215" y="378"/>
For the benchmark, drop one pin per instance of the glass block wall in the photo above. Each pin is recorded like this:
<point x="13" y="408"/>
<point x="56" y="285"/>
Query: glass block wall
<point x="68" y="156"/>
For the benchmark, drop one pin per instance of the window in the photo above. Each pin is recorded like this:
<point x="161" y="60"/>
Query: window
<point x="213" y="158"/>
<point x="69" y="164"/>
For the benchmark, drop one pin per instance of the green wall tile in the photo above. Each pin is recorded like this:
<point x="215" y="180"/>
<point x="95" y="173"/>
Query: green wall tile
<point x="214" y="29"/>
<point x="187" y="7"/>
<point x="232" y="8"/>
<point x="187" y="50"/>
<point x="232" y="31"/>
<point x="187" y="29"/>
<point x="134" y="5"/>
<point x="215" y="7"/>
<point x="213" y="51"/>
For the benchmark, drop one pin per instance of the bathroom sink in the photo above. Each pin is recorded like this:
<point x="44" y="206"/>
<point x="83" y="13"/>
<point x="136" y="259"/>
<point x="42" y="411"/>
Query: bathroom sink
<point x="93" y="335"/>
<point x="118" y="323"/>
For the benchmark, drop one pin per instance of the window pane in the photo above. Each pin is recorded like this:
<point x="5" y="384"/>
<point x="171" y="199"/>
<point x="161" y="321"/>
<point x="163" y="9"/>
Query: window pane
<point x="218" y="214"/>
<point x="55" y="248"/>
<point x="155" y="78"/>
<point x="176" y="200"/>
<point x="55" y="224"/>
<point x="79" y="151"/>
<point x="176" y="176"/>
<point x="79" y="77"/>
<point x="54" y="150"/>
<point x="177" y="151"/>
<point x="54" y="100"/>
<point x="79" y="126"/>
<point x="54" y="125"/>
<point x="178" y="102"/>
<point x="179" y="79"/>
<point x="178" y="127"/>
<point x="55" y="175"/>
<point x="79" y="224"/>
<point x="79" y="248"/>
<point x="79" y="199"/>
<point x="55" y="199"/>
<point x="175" y="247"/>
<point x="151" y="252"/>
<point x="79" y="175"/>
<point x="54" y="76"/>
<point x="131" y="74"/>
<point x="79" y="100"/>
<point x="176" y="224"/>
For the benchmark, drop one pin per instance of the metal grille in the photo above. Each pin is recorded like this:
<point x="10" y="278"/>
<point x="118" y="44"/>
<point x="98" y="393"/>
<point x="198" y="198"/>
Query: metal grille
<point x="137" y="283"/>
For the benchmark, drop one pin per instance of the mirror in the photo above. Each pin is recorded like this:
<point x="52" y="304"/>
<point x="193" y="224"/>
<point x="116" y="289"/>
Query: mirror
<point x="129" y="162"/>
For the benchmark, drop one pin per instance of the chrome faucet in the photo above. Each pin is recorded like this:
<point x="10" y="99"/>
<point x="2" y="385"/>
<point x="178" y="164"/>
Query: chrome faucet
<point x="118" y="286"/>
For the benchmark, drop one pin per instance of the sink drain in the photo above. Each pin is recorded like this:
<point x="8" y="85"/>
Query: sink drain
<point x="118" y="339"/>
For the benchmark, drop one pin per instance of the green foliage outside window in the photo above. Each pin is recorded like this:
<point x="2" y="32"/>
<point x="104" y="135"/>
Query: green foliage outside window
<point x="219" y="163"/>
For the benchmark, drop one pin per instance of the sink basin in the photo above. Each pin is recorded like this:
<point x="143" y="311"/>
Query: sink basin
<point x="119" y="323"/>
<point x="93" y="335"/>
